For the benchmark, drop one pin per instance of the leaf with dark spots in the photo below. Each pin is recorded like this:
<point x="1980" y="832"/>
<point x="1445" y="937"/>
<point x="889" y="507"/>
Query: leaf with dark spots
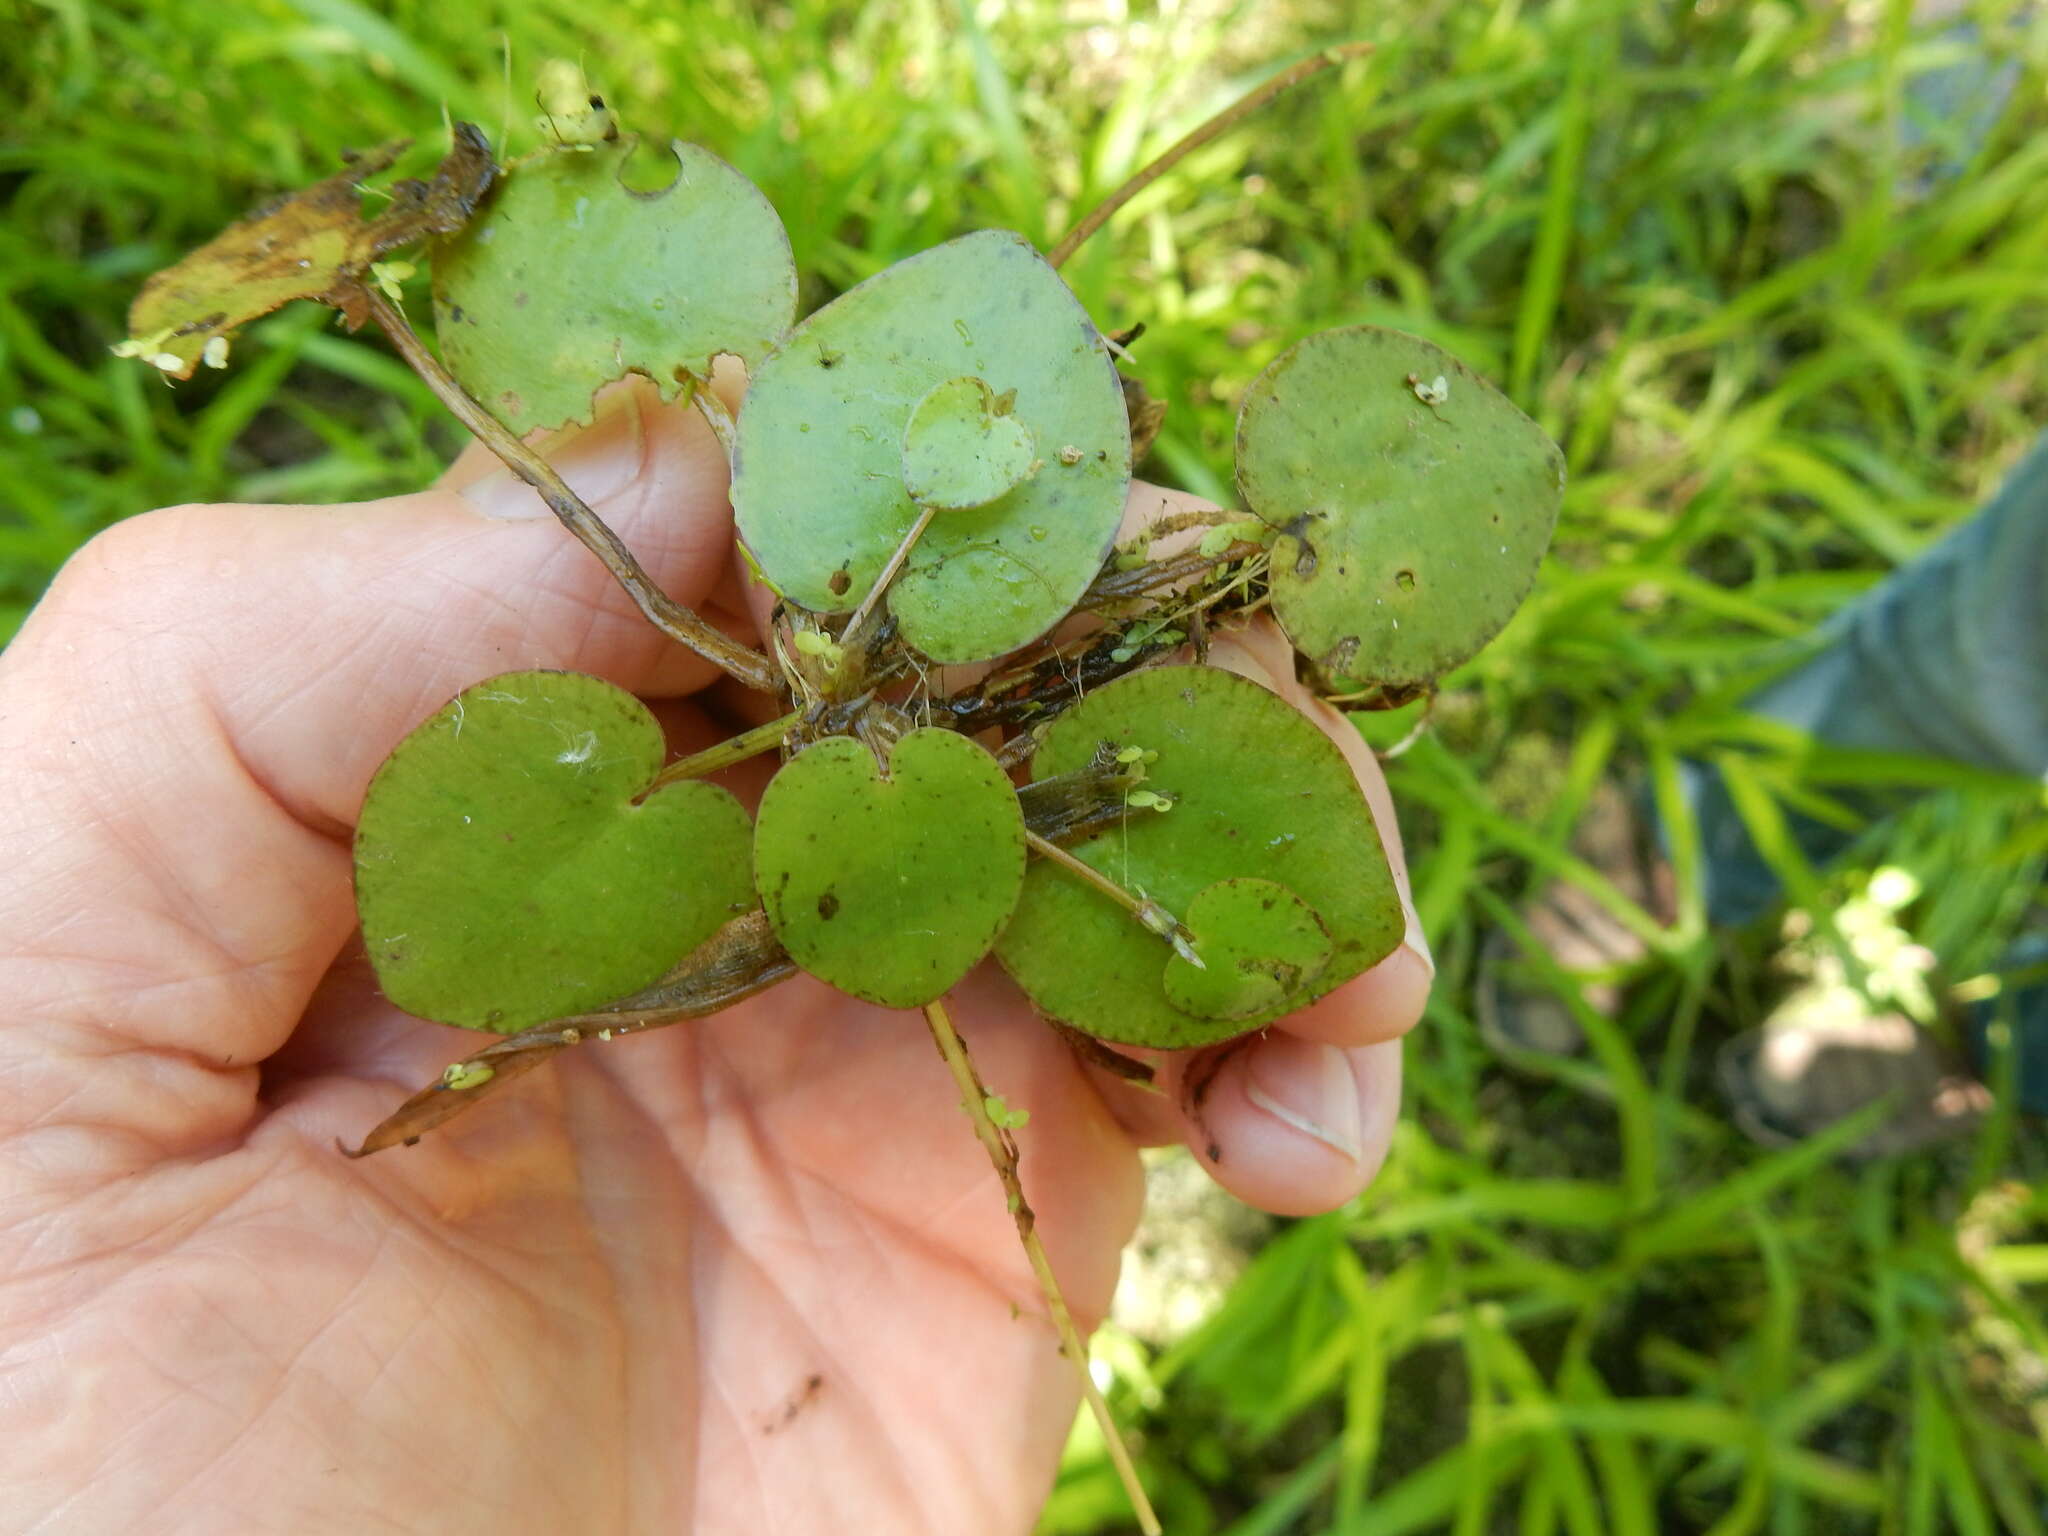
<point x="917" y="877"/>
<point x="1262" y="947"/>
<point x="1257" y="791"/>
<point x="1432" y="510"/>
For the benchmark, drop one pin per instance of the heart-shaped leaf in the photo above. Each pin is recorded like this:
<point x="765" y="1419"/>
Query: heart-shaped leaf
<point x="1415" y="501"/>
<point x="1262" y="947"/>
<point x="505" y="874"/>
<point x="890" y="889"/>
<point x="962" y="447"/>
<point x="818" y="483"/>
<point x="570" y="278"/>
<point x="1257" y="790"/>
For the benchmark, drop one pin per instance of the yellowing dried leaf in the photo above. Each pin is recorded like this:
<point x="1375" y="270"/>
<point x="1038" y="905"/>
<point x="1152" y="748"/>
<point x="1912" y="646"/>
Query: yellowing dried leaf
<point x="309" y="244"/>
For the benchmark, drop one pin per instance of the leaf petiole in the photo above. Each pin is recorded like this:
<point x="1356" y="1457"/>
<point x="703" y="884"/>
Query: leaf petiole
<point x="737" y="749"/>
<point x="715" y="415"/>
<point x="679" y="623"/>
<point x="895" y="564"/>
<point x="1147" y="911"/>
<point x="1001" y="1148"/>
<point x="1252" y="101"/>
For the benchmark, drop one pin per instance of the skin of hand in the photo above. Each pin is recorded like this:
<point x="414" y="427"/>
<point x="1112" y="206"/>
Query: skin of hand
<point x="748" y="1274"/>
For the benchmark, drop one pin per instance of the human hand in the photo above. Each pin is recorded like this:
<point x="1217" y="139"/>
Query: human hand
<point x="751" y="1273"/>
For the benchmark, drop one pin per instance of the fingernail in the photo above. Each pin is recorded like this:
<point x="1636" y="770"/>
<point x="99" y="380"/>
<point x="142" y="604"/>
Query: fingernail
<point x="598" y="461"/>
<point x="1233" y="653"/>
<point x="1415" y="941"/>
<point x="1311" y="1087"/>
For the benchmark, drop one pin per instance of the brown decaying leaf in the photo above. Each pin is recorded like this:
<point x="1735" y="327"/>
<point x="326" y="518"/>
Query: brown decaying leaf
<point x="1147" y="416"/>
<point x="310" y="244"/>
<point x="736" y="962"/>
<point x="1091" y="1050"/>
<point x="481" y="1074"/>
<point x="1147" y="413"/>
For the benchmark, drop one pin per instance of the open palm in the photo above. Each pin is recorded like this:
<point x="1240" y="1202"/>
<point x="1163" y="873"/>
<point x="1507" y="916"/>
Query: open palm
<point x="746" y="1274"/>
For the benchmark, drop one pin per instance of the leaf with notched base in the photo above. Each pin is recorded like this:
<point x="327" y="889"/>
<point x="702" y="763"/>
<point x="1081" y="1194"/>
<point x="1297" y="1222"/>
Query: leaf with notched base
<point x="890" y="888"/>
<point x="507" y="872"/>
<point x="571" y="278"/>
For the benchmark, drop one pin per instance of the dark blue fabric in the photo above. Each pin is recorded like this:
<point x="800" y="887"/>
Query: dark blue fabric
<point x="1947" y="658"/>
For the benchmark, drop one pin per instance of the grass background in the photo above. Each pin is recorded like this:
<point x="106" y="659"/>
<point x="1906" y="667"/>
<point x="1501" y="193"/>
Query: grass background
<point x="1786" y="319"/>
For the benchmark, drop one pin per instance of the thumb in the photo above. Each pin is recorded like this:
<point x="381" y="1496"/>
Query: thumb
<point x="318" y="635"/>
<point x="193" y="711"/>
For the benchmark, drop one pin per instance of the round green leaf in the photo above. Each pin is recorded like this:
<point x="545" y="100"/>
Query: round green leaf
<point x="890" y="888"/>
<point x="818" y="483"/>
<point x="962" y="447"/>
<point x="504" y="874"/>
<point x="1261" y="947"/>
<point x="570" y="279"/>
<point x="1258" y="791"/>
<point x="1413" y="521"/>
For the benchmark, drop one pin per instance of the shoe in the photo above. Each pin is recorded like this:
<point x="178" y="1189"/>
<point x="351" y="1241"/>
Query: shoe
<point x="1823" y="1054"/>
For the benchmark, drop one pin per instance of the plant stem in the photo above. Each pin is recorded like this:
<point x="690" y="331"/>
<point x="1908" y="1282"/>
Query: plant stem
<point x="924" y="521"/>
<point x="679" y="623"/>
<point x="762" y="738"/>
<point x="1115" y="586"/>
<point x="1221" y="123"/>
<point x="1414" y="733"/>
<point x="1002" y="1155"/>
<point x="716" y="416"/>
<point x="1147" y="911"/>
<point x="1181" y="522"/>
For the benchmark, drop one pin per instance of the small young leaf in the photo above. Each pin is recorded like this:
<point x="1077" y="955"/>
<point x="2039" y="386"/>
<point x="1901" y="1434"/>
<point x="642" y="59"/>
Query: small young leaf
<point x="818" y="483"/>
<point x="1223" y="535"/>
<point x="312" y="244"/>
<point x="890" y="889"/>
<point x="814" y="642"/>
<point x="505" y="874"/>
<point x="1414" y="502"/>
<point x="571" y="112"/>
<point x="960" y="450"/>
<point x="1258" y="790"/>
<point x="570" y="279"/>
<point x="1000" y="1113"/>
<point x="1261" y="945"/>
